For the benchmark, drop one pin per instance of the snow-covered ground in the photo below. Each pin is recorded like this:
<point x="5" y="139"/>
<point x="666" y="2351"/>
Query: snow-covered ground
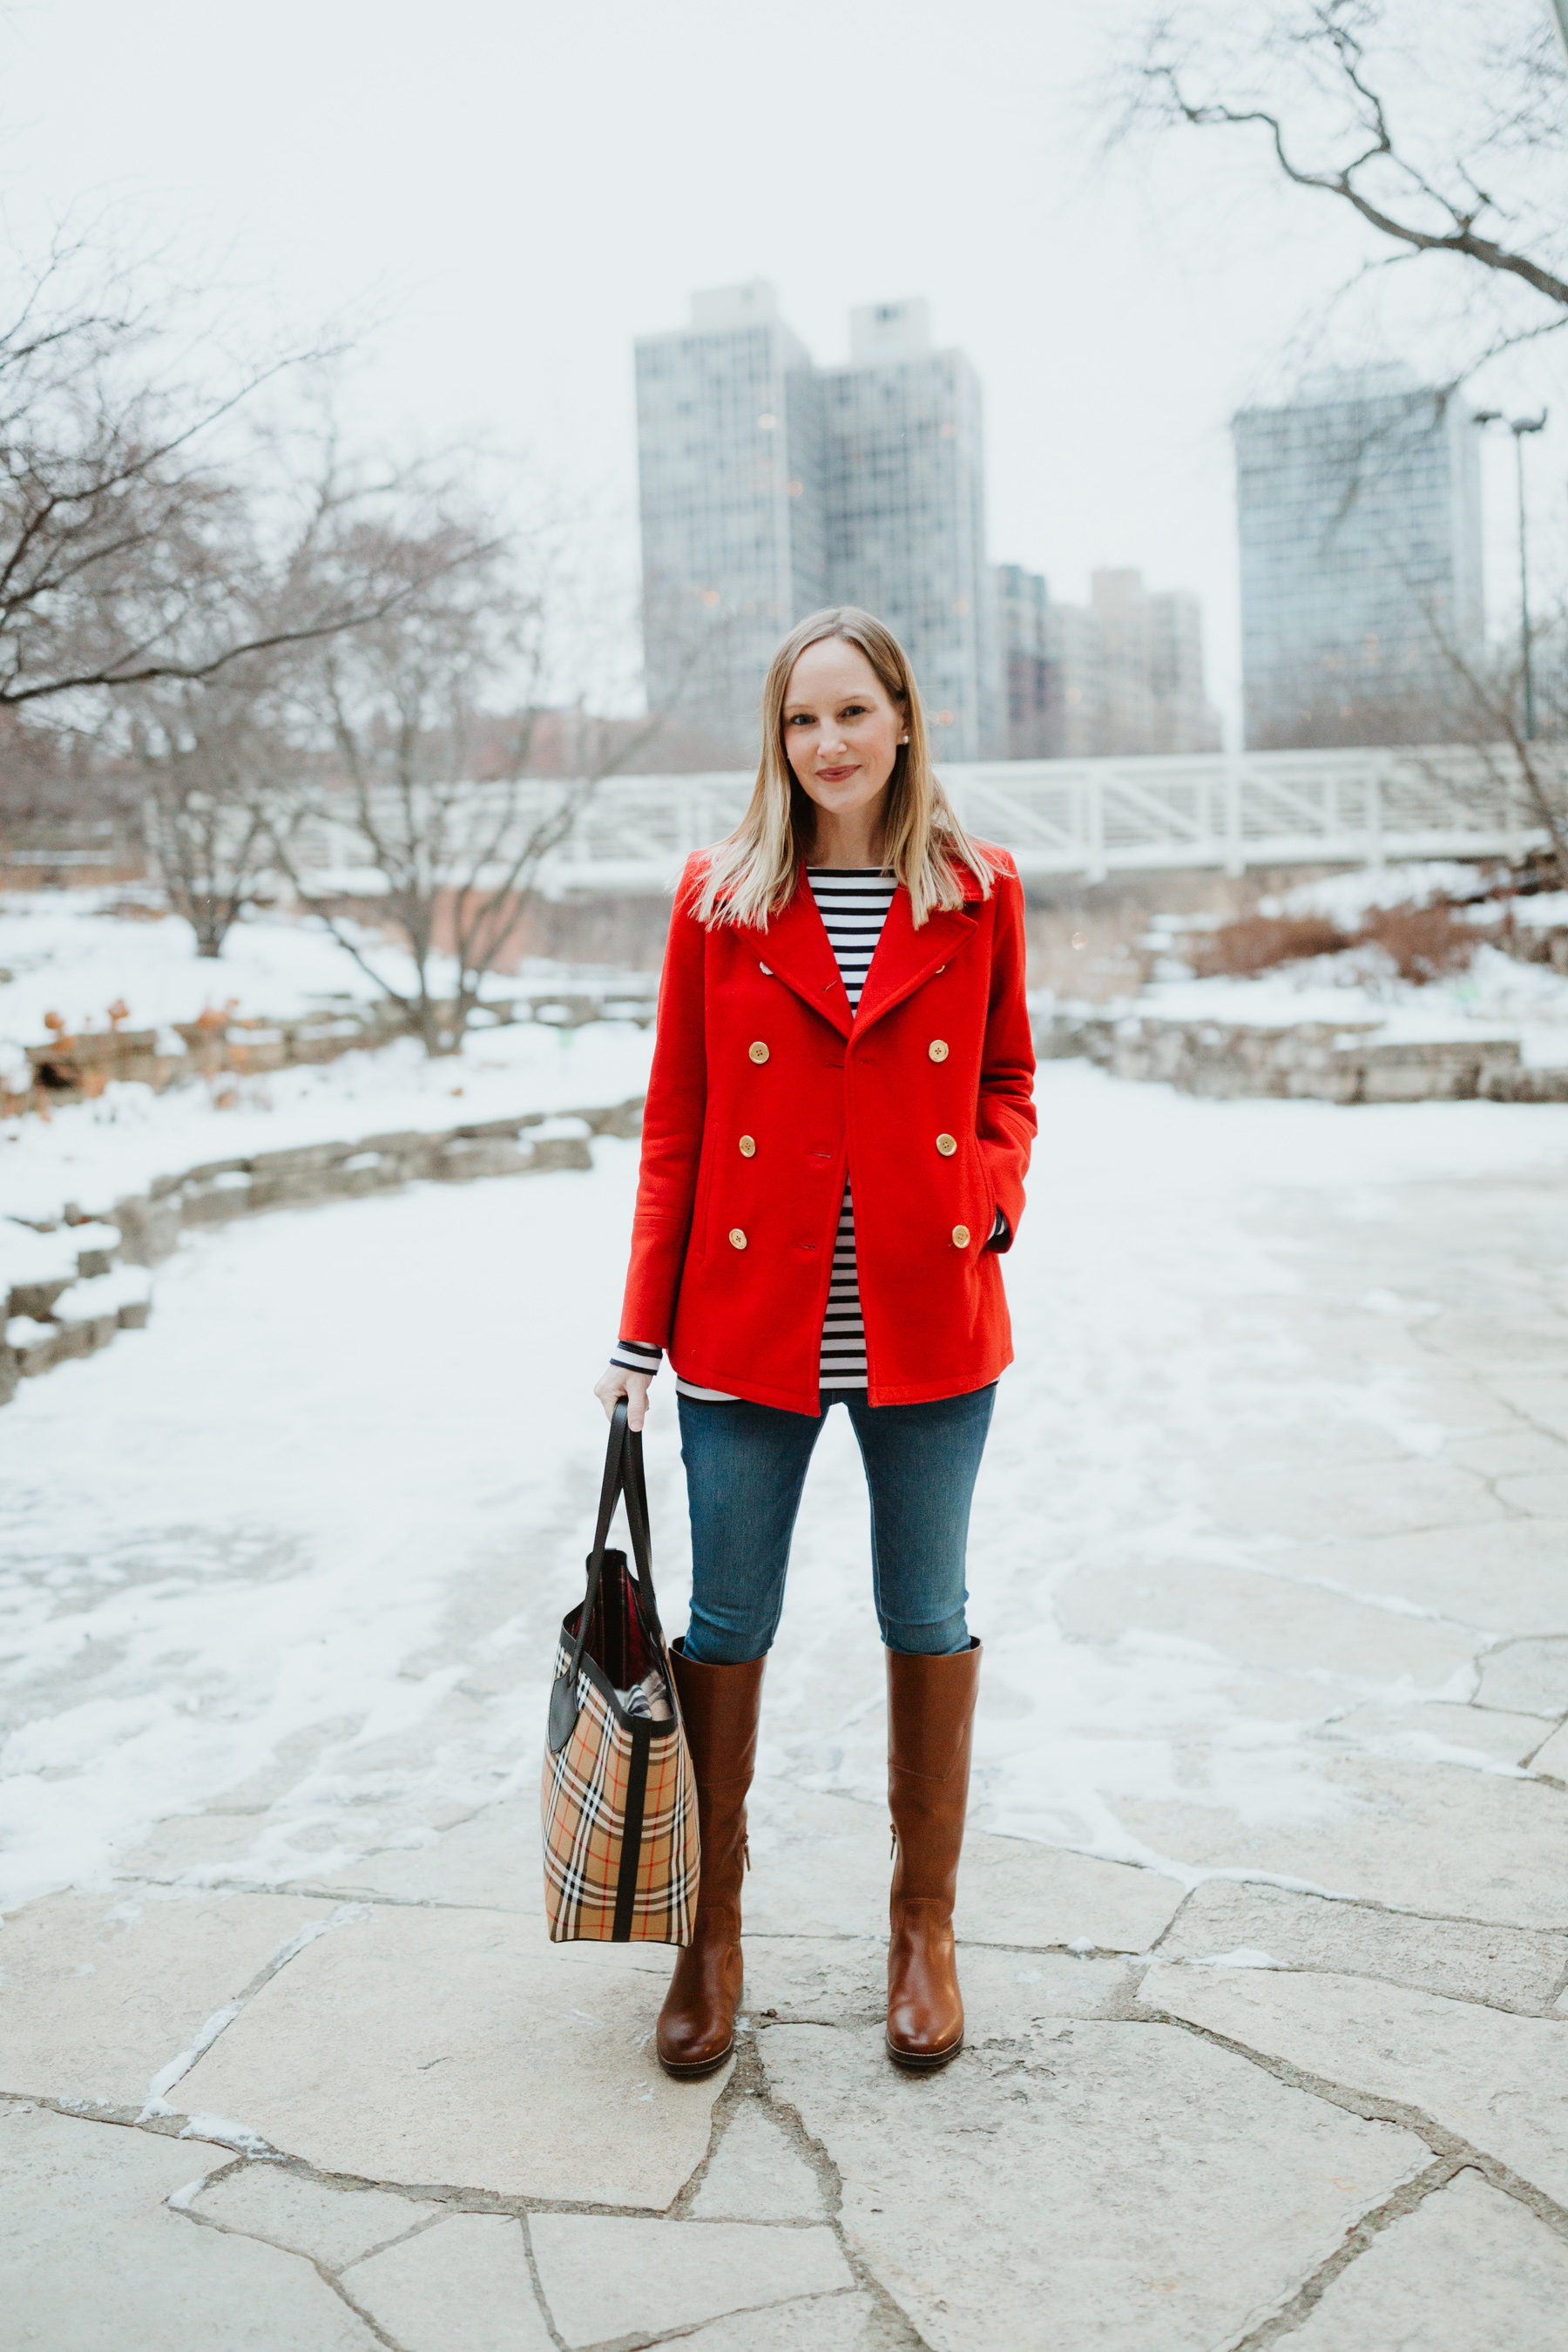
<point x="76" y="952"/>
<point x="295" y="1550"/>
<point x="1496" y="997"/>
<point x="68" y="952"/>
<point x="93" y="1153"/>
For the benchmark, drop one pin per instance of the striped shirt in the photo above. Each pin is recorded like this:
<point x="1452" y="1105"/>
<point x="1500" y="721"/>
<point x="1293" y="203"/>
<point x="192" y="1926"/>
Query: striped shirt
<point x="853" y="902"/>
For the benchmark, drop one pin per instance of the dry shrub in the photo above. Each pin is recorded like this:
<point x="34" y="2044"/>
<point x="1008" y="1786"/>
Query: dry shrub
<point x="1424" y="943"/>
<point x="1259" y="942"/>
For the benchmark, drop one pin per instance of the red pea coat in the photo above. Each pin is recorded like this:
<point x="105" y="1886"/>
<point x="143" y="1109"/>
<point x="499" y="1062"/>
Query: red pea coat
<point x="766" y="1092"/>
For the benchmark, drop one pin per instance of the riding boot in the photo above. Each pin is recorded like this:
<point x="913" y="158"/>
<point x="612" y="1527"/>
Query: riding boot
<point x="930" y="1715"/>
<point x="719" y="1705"/>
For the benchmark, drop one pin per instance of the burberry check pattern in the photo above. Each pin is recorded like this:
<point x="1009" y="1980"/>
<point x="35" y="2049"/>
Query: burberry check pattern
<point x="584" y="1807"/>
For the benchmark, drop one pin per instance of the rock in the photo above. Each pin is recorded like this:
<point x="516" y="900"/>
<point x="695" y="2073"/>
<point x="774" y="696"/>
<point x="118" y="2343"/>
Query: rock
<point x="1529" y="1676"/>
<point x="1552" y="1758"/>
<point x="1541" y="1396"/>
<point x="490" y="1862"/>
<point x="104" y="1992"/>
<point x="755" y="2174"/>
<point x="1419" y="1838"/>
<point x="1501" y="2083"/>
<point x="1360" y="1500"/>
<point x="1505" y="1579"/>
<point x="97" y="2262"/>
<point x="461" y="2049"/>
<point x="332" y="2226"/>
<point x="1437" y="1731"/>
<point x="1513" y="1967"/>
<point x="820" y="1866"/>
<point x="834" y="1980"/>
<point x="1544" y="1495"/>
<point x="1266" y="1620"/>
<point x="603" y="2277"/>
<point x="557" y="1151"/>
<point x="1189" y="2193"/>
<point x="1468" y="2271"/>
<point x="831" y="2322"/>
<point x="462" y="2286"/>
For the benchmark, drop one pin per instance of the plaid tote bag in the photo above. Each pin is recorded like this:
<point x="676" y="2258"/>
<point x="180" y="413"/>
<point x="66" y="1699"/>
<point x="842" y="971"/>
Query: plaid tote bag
<point x="619" y="1801"/>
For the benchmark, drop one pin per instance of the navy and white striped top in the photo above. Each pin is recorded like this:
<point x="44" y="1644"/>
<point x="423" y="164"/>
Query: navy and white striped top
<point x="853" y="901"/>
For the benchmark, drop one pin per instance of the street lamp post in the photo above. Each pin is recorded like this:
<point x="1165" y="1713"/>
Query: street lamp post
<point x="1519" y="426"/>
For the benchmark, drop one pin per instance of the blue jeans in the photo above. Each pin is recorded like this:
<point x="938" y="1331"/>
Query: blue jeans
<point x="745" y="1468"/>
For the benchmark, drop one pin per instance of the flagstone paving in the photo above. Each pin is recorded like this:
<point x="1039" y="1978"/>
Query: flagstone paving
<point x="1293" y="2070"/>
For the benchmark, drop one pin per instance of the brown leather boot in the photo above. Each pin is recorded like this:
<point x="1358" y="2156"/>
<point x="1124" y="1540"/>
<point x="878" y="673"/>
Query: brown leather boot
<point x="719" y="1706"/>
<point x="930" y="1715"/>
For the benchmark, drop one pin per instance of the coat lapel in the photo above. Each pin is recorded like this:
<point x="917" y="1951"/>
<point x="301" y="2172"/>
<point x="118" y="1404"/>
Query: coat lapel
<point x="905" y="956"/>
<point x="794" y="949"/>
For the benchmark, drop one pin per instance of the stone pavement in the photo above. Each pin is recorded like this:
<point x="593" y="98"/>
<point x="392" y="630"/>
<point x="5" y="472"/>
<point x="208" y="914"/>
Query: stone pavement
<point x="1302" y="2079"/>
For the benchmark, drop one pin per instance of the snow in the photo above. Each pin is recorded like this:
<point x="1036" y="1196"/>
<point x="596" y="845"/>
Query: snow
<point x="68" y="954"/>
<point x="1345" y="898"/>
<point x="1496" y="996"/>
<point x="97" y="1152"/>
<point x="317" y="1521"/>
<point x="104" y="1294"/>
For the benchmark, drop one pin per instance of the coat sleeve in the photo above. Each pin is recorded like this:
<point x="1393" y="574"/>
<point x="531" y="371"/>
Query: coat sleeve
<point x="673" y="1119"/>
<point x="1006" y="1109"/>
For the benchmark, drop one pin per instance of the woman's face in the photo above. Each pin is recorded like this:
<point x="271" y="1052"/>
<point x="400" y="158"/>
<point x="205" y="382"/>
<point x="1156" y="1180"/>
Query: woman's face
<point x="841" y="728"/>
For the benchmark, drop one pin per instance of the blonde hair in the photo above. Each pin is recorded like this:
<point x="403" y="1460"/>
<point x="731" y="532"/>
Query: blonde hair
<point x="753" y="872"/>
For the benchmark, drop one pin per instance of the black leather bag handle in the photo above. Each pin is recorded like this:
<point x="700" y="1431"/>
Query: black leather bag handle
<point x="623" y="1477"/>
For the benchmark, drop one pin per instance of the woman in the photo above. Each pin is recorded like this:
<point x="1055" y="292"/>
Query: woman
<point x="836" y="1131"/>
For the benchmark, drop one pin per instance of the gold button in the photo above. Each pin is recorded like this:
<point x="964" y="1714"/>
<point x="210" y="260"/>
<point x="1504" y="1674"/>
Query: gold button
<point x="759" y="1052"/>
<point x="747" y="1147"/>
<point x="946" y="1145"/>
<point x="960" y="1237"/>
<point x="937" y="1049"/>
<point x="738" y="1239"/>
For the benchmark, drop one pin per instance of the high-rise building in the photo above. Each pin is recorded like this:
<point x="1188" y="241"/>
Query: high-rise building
<point x="770" y="489"/>
<point x="1127" y="672"/>
<point x="1021" y="604"/>
<point x="731" y="499"/>
<point x="1359" y="505"/>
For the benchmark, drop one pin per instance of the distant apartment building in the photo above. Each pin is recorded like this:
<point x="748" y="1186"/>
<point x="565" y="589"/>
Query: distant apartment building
<point x="1125" y="672"/>
<point x="1022" y="604"/>
<point x="770" y="487"/>
<point x="1359" y="508"/>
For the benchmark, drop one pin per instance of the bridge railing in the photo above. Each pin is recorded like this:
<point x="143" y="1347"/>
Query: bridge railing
<point x="1091" y="818"/>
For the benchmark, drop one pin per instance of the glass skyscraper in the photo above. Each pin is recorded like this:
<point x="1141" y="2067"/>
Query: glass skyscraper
<point x="769" y="488"/>
<point x="1359" y="506"/>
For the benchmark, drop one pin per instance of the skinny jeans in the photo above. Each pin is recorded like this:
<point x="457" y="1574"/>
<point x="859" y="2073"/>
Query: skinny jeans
<point x="745" y="1469"/>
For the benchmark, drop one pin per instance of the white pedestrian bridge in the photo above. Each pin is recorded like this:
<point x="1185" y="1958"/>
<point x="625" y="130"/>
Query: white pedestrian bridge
<point x="1089" y="819"/>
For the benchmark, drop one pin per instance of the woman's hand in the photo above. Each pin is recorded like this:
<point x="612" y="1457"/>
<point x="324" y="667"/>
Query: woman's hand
<point x="619" y="1383"/>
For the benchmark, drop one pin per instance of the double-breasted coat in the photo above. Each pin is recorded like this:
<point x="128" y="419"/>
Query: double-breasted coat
<point x="766" y="1093"/>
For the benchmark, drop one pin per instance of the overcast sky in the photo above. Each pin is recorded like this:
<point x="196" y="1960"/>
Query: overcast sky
<point x="515" y="190"/>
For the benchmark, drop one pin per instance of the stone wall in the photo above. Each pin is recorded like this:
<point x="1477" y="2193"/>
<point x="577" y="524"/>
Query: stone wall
<point x="1340" y="1062"/>
<point x="71" y="1068"/>
<point x="81" y="1282"/>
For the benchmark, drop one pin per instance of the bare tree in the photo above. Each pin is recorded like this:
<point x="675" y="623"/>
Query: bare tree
<point x="214" y="759"/>
<point x="1444" y="140"/>
<point x="115" y="477"/>
<point x="437" y="793"/>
